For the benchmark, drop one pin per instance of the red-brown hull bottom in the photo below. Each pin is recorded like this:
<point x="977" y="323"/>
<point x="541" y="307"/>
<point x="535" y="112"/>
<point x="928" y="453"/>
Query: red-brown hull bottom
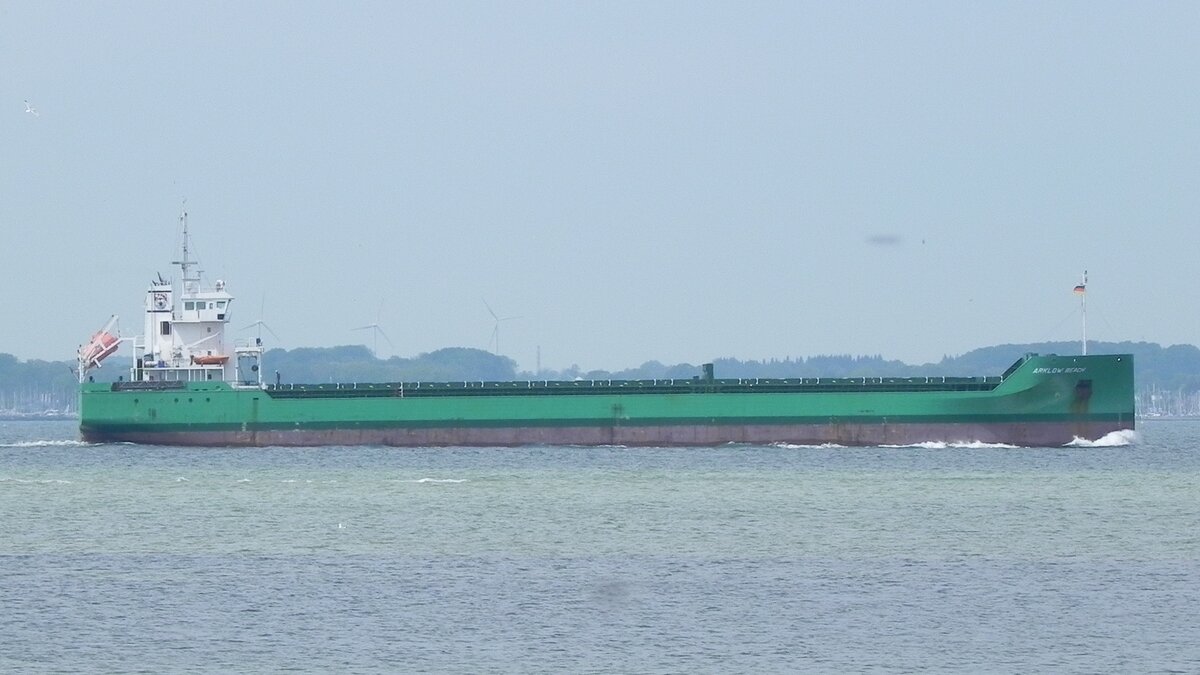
<point x="1032" y="434"/>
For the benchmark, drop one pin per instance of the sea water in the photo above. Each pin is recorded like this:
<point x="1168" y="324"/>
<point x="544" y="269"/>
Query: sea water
<point x="934" y="558"/>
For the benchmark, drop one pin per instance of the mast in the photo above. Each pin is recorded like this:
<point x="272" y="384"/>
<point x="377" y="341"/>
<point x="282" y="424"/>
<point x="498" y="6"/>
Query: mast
<point x="191" y="284"/>
<point x="1081" y="291"/>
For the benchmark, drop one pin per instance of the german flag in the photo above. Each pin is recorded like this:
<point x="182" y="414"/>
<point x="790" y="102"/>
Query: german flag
<point x="1081" y="289"/>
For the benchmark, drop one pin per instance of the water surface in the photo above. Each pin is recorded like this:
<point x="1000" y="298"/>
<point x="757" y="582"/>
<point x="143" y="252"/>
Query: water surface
<point x="121" y="558"/>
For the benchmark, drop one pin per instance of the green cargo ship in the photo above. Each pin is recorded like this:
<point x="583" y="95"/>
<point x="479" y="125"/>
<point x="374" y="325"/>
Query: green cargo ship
<point x="189" y="386"/>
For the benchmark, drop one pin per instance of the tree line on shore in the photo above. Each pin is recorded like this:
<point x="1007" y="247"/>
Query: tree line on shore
<point x="1168" y="378"/>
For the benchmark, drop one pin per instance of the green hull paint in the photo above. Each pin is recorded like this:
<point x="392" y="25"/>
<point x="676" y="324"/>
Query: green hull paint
<point x="1044" y="400"/>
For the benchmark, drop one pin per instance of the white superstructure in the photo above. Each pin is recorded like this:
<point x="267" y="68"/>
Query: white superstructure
<point x="184" y="334"/>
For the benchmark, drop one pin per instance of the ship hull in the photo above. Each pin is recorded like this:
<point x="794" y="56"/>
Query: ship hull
<point x="1041" y="401"/>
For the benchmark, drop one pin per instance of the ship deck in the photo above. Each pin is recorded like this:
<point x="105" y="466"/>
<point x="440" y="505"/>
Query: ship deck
<point x="605" y="387"/>
<point x="634" y="387"/>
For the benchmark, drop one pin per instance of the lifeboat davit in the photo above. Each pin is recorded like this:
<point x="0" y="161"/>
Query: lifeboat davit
<point x="210" y="360"/>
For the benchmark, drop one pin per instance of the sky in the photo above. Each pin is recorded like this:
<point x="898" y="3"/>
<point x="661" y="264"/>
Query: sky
<point x="634" y="181"/>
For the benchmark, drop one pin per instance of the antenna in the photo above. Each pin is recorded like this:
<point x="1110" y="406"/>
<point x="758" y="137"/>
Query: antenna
<point x="496" y="329"/>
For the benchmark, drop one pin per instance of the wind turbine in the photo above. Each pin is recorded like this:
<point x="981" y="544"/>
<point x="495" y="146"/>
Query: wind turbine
<point x="377" y="331"/>
<point x="496" y="329"/>
<point x="261" y="324"/>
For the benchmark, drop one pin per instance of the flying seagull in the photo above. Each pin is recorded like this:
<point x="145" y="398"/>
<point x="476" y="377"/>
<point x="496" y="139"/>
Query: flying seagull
<point x="30" y="109"/>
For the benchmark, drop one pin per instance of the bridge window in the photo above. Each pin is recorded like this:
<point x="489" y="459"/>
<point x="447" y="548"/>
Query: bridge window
<point x="164" y="328"/>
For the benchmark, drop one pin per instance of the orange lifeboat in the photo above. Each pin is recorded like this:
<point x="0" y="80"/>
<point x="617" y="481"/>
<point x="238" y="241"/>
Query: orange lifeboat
<point x="100" y="347"/>
<point x="210" y="360"/>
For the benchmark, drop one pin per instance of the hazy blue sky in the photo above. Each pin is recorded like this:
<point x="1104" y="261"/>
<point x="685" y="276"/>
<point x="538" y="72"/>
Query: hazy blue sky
<point x="674" y="181"/>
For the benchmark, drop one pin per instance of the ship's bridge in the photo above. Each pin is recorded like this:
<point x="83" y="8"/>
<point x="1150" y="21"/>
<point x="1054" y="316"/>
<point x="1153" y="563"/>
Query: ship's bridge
<point x="199" y="322"/>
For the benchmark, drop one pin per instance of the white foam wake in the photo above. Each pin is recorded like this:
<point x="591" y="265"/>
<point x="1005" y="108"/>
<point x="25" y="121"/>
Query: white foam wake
<point x="439" y="480"/>
<point x="45" y="444"/>
<point x="942" y="445"/>
<point x="1113" y="439"/>
<point x="793" y="446"/>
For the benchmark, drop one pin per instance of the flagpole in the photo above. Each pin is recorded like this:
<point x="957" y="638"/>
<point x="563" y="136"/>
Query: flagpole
<point x="1083" y="307"/>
